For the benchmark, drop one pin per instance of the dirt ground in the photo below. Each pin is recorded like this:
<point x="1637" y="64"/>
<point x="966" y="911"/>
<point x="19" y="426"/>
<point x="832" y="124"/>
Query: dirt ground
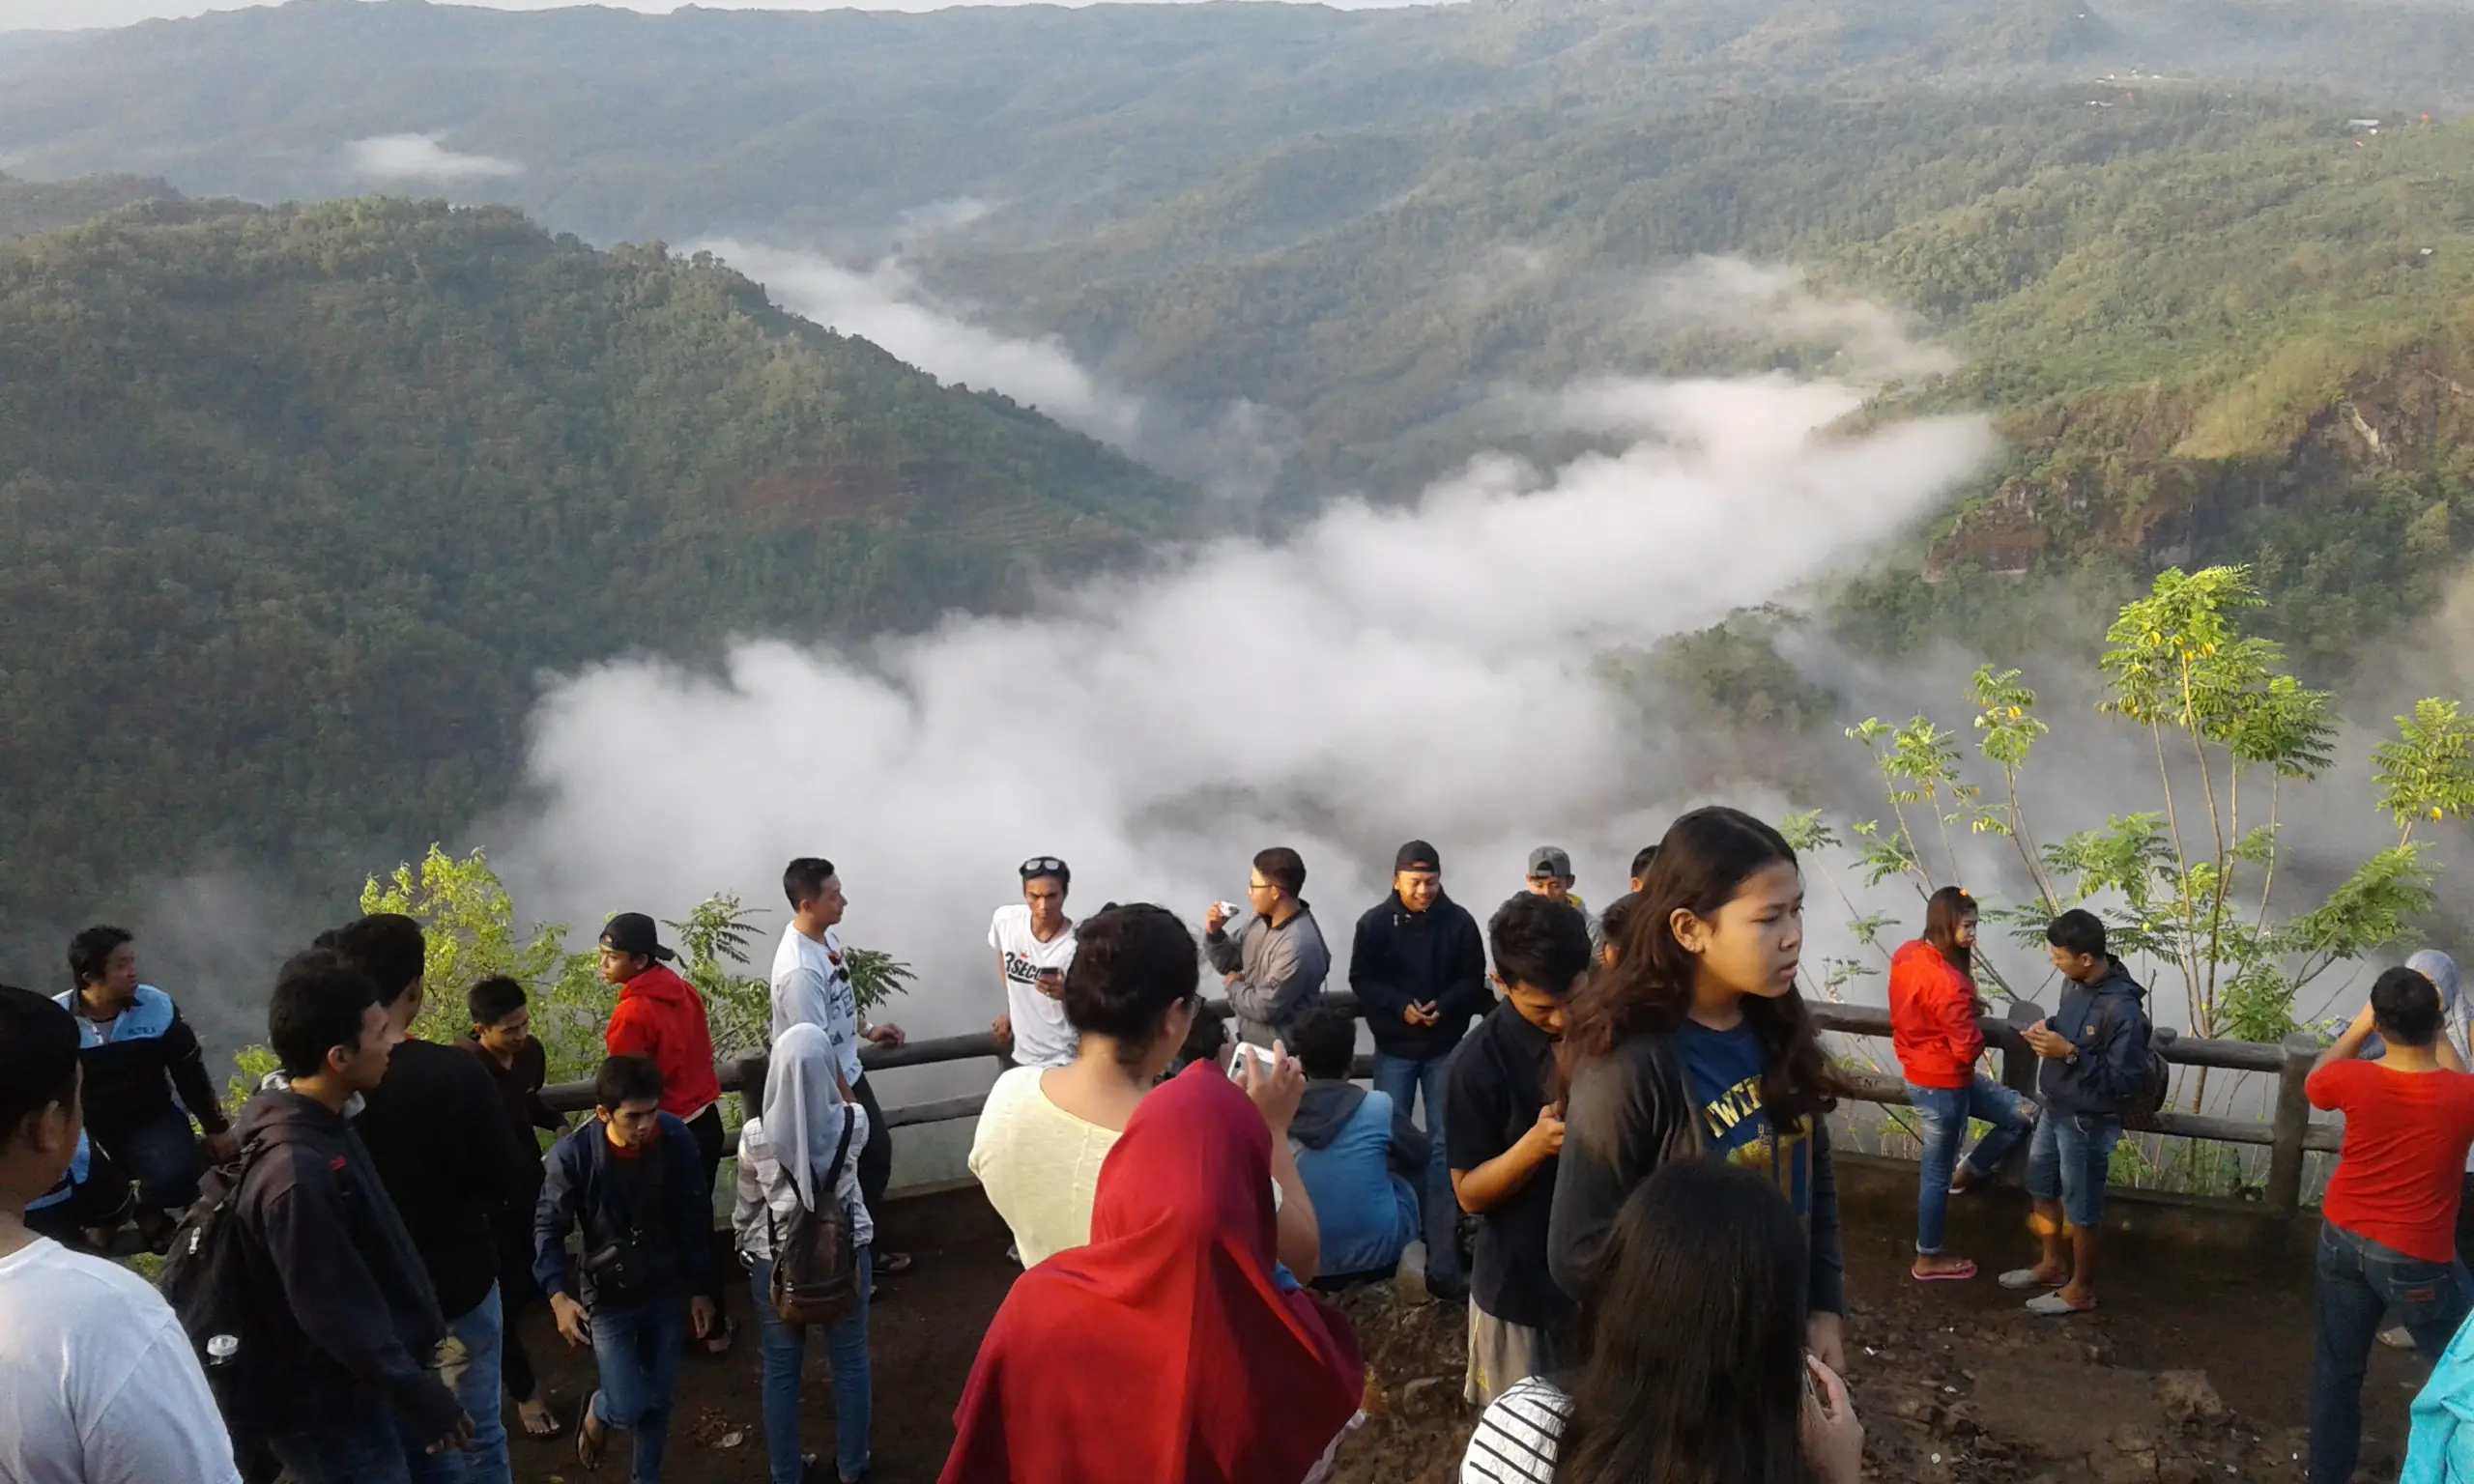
<point x="2196" y="1367"/>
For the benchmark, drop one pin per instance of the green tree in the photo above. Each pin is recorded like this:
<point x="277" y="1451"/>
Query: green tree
<point x="2192" y="883"/>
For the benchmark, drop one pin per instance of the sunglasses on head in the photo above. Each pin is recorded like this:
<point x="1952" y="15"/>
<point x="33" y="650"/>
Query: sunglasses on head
<point x="1042" y="866"/>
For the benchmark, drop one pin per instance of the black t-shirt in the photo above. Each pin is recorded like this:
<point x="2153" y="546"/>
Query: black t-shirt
<point x="437" y="1131"/>
<point x="636" y="1184"/>
<point x="1497" y="1084"/>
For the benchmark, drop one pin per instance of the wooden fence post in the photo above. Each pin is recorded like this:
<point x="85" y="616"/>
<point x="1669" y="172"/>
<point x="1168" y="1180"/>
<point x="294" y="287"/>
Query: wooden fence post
<point x="2019" y="1074"/>
<point x="2291" y="1121"/>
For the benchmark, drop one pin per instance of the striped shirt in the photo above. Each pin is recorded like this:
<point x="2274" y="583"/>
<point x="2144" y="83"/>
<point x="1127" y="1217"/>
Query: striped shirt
<point x="1518" y="1437"/>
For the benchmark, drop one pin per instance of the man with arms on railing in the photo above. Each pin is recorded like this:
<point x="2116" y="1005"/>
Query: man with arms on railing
<point x="2389" y="1239"/>
<point x="2095" y="1065"/>
<point x="811" y="985"/>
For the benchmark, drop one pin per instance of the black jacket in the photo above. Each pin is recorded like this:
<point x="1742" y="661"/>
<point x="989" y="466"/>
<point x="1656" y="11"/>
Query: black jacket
<point x="1401" y="957"/>
<point x="1629" y="1112"/>
<point x="436" y="1130"/>
<point x="131" y="1078"/>
<point x="2109" y="1025"/>
<point x="349" y="1310"/>
<point x="581" y="1189"/>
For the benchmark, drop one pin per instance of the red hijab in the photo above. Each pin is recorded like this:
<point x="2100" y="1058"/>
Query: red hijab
<point x="1164" y="1350"/>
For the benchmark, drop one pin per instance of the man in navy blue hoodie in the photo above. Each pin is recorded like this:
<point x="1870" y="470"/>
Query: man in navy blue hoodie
<point x="353" y="1323"/>
<point x="634" y="1179"/>
<point x="1418" y="967"/>
<point x="2095" y="1051"/>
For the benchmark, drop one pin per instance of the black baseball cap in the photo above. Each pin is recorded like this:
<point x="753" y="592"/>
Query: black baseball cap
<point x="633" y="932"/>
<point x="1416" y="855"/>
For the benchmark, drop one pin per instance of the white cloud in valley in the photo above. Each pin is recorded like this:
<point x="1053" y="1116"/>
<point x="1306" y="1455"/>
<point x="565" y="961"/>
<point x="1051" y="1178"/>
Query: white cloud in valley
<point x="1381" y="672"/>
<point x="421" y="157"/>
<point x="886" y="304"/>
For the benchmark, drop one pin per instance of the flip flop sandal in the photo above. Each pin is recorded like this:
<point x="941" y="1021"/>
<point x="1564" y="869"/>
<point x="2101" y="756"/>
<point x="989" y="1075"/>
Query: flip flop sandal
<point x="893" y="1265"/>
<point x="1957" y="1274"/>
<point x="2056" y="1307"/>
<point x="2020" y="1279"/>
<point x="590" y="1449"/>
<point x="552" y="1429"/>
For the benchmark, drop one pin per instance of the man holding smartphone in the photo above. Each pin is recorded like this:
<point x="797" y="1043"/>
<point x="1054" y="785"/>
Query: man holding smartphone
<point x="1034" y="943"/>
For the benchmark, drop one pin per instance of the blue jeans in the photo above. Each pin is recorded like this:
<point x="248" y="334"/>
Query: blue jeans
<point x="1942" y="1117"/>
<point x="162" y="1155"/>
<point x="2359" y="1281"/>
<point x="2067" y="1161"/>
<point x="846" y="1349"/>
<point x="360" y="1445"/>
<point x="1401" y="1080"/>
<point x="637" y="1350"/>
<point x="484" y="1460"/>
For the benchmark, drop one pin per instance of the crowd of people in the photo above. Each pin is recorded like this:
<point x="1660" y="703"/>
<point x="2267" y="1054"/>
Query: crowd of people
<point x="1609" y="1136"/>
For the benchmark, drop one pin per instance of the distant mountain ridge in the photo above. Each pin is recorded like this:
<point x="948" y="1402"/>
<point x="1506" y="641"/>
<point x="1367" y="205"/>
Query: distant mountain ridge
<point x="699" y="123"/>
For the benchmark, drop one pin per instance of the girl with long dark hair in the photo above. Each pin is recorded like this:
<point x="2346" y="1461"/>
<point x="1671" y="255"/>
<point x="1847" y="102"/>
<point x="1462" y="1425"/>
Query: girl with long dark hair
<point x="1696" y="1044"/>
<point x="1696" y="1371"/>
<point x="1934" y="1008"/>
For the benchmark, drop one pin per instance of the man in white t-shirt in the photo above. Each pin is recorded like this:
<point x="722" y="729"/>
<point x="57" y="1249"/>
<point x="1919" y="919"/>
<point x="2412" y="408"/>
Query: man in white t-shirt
<point x="1034" y="943"/>
<point x="811" y="986"/>
<point x="97" y="1382"/>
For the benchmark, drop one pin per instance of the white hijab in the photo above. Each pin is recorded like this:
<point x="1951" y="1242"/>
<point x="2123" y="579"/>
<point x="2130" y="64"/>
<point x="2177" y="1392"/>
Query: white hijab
<point x="803" y="1109"/>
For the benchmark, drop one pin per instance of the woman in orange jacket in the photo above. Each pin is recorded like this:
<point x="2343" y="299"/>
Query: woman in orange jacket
<point x="1933" y="1015"/>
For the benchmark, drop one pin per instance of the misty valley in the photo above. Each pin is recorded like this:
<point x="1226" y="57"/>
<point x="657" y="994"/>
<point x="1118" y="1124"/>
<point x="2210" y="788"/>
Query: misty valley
<point x="640" y="446"/>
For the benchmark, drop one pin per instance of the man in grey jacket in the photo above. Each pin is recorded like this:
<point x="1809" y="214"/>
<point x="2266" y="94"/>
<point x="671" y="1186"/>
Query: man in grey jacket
<point x="1275" y="968"/>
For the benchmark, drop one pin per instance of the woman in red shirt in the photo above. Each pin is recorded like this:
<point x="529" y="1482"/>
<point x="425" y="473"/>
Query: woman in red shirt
<point x="1933" y="1013"/>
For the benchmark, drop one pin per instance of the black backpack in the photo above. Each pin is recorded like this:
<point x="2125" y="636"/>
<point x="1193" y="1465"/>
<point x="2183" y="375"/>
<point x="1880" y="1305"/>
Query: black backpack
<point x="816" y="1261"/>
<point x="209" y="1279"/>
<point x="2147" y="1100"/>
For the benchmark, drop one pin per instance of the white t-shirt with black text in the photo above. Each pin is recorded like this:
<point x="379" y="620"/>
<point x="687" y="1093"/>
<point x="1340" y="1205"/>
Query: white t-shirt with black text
<point x="97" y="1382"/>
<point x="1042" y="1036"/>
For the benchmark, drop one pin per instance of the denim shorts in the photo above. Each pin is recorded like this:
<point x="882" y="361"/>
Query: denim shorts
<point x="2067" y="1161"/>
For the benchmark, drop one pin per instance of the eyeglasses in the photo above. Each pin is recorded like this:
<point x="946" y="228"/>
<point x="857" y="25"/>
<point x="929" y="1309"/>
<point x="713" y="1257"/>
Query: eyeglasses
<point x="1042" y="865"/>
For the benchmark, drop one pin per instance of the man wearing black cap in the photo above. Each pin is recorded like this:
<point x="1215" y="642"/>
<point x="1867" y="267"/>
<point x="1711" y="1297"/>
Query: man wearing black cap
<point x="1418" y="967"/>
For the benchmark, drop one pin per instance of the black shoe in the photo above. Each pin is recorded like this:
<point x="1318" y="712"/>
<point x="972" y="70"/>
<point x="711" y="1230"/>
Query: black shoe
<point x="1448" y="1290"/>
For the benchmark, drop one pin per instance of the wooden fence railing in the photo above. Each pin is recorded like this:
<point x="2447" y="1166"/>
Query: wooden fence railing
<point x="2289" y="1133"/>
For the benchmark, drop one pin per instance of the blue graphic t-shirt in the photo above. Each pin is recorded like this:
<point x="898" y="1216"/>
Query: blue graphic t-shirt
<point x="1725" y="1071"/>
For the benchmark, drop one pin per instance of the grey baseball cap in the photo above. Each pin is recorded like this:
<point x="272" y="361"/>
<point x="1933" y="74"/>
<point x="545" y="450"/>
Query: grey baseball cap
<point x="1549" y="861"/>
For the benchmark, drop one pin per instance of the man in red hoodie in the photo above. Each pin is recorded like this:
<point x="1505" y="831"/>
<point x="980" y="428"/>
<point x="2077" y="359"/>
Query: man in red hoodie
<point x="661" y="1019"/>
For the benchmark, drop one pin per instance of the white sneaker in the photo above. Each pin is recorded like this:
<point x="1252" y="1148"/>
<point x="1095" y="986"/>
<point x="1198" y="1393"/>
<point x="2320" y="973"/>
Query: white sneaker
<point x="2399" y="1338"/>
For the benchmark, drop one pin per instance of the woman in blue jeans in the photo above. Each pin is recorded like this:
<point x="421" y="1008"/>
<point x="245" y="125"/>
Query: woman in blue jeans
<point x="782" y="1157"/>
<point x="1933" y="1026"/>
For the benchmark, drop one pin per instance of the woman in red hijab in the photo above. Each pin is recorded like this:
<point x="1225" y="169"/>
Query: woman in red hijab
<point x="1166" y="1350"/>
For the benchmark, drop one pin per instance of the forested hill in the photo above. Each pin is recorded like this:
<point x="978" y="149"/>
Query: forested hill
<point x="294" y="507"/>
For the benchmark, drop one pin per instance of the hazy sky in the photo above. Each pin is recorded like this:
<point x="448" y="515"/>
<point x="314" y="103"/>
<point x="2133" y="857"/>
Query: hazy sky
<point x="68" y="15"/>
